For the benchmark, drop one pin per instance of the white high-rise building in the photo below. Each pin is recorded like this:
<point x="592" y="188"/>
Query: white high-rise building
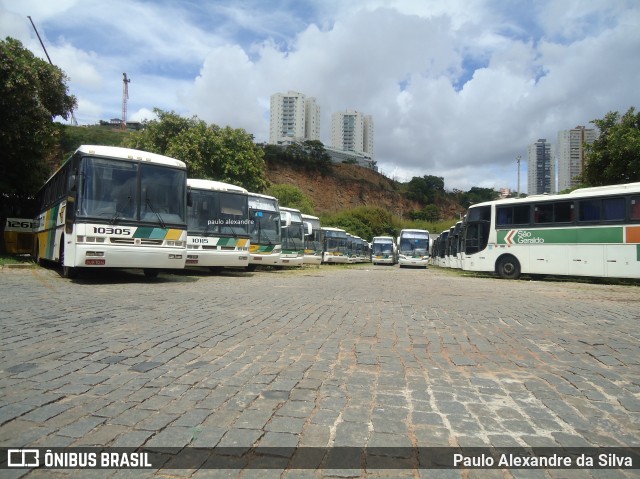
<point x="541" y="168"/>
<point x="293" y="117"/>
<point x="570" y="155"/>
<point x="352" y="131"/>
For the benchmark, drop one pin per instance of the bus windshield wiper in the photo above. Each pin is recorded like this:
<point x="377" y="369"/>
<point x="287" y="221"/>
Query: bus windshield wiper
<point x="148" y="201"/>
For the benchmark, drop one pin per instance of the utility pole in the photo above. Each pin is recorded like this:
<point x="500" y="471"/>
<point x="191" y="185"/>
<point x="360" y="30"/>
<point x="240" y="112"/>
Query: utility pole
<point x="74" y="122"/>
<point x="125" y="97"/>
<point x="518" y="158"/>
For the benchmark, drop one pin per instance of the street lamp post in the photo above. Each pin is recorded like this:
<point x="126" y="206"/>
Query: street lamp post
<point x="518" y="158"/>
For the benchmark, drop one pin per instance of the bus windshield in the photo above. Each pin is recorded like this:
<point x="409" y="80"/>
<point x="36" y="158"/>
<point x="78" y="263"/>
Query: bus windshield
<point x="383" y="248"/>
<point x="123" y="190"/>
<point x="218" y="212"/>
<point x="265" y="227"/>
<point x="293" y="236"/>
<point x="414" y="244"/>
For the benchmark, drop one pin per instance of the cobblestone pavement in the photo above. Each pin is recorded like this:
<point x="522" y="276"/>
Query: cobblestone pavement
<point x="329" y="356"/>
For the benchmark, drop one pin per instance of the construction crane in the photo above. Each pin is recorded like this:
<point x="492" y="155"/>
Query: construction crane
<point x="125" y="97"/>
<point x="74" y="122"/>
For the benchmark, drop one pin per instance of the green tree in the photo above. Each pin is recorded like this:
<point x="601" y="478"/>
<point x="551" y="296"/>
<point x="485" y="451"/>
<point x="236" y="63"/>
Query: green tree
<point x="210" y="151"/>
<point x="426" y="189"/>
<point x="309" y="155"/>
<point x="478" y="195"/>
<point x="32" y="93"/>
<point x="292" y="197"/>
<point x="614" y="157"/>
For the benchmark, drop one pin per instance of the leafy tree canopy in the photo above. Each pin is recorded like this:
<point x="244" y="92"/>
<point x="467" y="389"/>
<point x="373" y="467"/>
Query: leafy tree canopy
<point x="210" y="151"/>
<point x="308" y="155"/>
<point x="425" y="189"/>
<point x="478" y="195"/>
<point x="292" y="197"/>
<point x="32" y="93"/>
<point x="614" y="157"/>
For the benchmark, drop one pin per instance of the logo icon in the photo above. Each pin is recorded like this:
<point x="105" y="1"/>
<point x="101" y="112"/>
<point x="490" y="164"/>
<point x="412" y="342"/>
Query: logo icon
<point x="23" y="457"/>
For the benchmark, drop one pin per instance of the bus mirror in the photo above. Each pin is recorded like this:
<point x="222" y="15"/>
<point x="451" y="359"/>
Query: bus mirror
<point x="189" y="197"/>
<point x="285" y="216"/>
<point x="71" y="183"/>
<point x="308" y="228"/>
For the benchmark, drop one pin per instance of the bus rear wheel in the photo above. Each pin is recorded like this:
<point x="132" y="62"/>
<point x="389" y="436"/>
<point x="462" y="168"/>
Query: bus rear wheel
<point x="508" y="267"/>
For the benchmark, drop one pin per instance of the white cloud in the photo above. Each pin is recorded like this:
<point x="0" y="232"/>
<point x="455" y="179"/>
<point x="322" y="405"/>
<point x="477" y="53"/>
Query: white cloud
<point x="457" y="89"/>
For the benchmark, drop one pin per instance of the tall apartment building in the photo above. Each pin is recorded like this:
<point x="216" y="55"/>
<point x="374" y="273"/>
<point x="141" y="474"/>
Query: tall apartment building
<point x="352" y="131"/>
<point x="294" y="117"/>
<point x="570" y="154"/>
<point x="541" y="172"/>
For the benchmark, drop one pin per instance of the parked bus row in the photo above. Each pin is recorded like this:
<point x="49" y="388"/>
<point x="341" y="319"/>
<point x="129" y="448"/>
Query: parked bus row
<point x="588" y="232"/>
<point x="410" y="248"/>
<point x="110" y="207"/>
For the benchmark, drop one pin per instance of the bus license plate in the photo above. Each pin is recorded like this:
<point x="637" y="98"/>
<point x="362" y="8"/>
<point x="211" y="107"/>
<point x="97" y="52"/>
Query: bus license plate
<point x="95" y="262"/>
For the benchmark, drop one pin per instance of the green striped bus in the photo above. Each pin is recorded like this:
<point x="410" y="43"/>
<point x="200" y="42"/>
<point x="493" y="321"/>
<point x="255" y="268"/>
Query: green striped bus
<point x="588" y="232"/>
<point x="110" y="207"/>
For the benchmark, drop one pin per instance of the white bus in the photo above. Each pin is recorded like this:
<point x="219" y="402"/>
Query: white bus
<point x="334" y="247"/>
<point x="109" y="207"/>
<point x="312" y="240"/>
<point x="383" y="250"/>
<point x="588" y="232"/>
<point x="266" y="234"/>
<point x="217" y="225"/>
<point x="440" y="253"/>
<point x="413" y="248"/>
<point x="352" y="247"/>
<point x="454" y="239"/>
<point x="292" y="237"/>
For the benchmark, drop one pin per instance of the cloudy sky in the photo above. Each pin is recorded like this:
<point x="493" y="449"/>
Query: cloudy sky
<point x="457" y="88"/>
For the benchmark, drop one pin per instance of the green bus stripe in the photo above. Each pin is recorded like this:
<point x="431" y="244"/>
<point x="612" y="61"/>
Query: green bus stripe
<point x="604" y="235"/>
<point x="150" y="233"/>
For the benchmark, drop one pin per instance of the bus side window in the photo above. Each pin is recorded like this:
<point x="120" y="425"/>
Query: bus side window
<point x="544" y="213"/>
<point x="563" y="212"/>
<point x="613" y="209"/>
<point x="635" y="208"/>
<point x="589" y="210"/>
<point x="504" y="216"/>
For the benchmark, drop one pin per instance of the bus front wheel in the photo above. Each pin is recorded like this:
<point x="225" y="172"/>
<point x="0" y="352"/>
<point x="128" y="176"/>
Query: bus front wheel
<point x="508" y="267"/>
<point x="67" y="271"/>
<point x="150" y="273"/>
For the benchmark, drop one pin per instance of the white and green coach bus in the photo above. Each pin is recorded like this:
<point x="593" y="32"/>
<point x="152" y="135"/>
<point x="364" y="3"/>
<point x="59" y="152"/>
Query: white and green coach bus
<point x="334" y="245"/>
<point x="588" y="232"/>
<point x="312" y="239"/>
<point x="265" y="230"/>
<point x="217" y="225"/>
<point x="110" y="207"/>
<point x="413" y="248"/>
<point x="383" y="250"/>
<point x="292" y="237"/>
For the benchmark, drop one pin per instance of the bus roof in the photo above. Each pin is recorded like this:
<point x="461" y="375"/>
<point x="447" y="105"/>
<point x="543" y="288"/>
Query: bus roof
<point x="214" y="186"/>
<point x="260" y="195"/>
<point x="384" y="239"/>
<point x="130" y="154"/>
<point x="579" y="193"/>
<point x="309" y="217"/>
<point x="291" y="210"/>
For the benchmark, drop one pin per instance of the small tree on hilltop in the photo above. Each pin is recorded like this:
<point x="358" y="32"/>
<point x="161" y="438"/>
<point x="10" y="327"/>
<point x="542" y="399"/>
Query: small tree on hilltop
<point x="614" y="157"/>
